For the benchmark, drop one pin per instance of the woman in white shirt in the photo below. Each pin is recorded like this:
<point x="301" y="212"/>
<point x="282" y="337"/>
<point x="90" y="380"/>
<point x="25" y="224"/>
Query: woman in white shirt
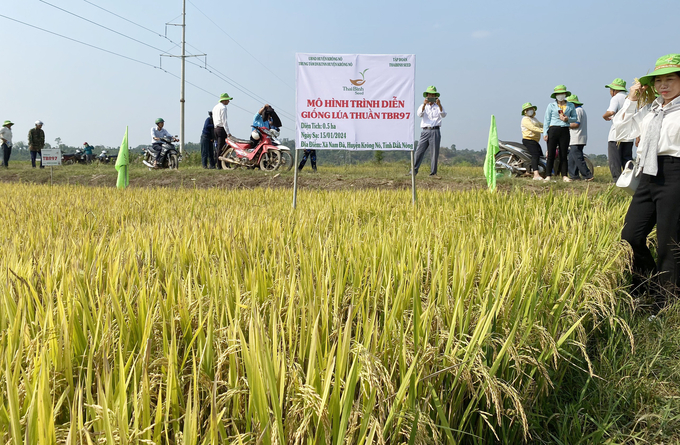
<point x="656" y="201"/>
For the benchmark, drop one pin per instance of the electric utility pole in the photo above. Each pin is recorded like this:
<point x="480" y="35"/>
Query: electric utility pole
<point x="182" y="76"/>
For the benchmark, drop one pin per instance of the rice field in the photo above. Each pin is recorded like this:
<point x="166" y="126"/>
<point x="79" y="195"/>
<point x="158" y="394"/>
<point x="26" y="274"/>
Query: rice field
<point x="163" y="316"/>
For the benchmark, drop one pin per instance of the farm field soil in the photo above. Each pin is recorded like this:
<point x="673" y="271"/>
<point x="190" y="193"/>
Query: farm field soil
<point x="350" y="177"/>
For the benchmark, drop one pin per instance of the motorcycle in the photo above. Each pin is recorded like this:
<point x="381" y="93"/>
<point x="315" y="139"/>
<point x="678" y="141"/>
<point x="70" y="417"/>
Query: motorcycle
<point x="265" y="153"/>
<point x="513" y="159"/>
<point x="166" y="151"/>
<point x="72" y="158"/>
<point x="105" y="158"/>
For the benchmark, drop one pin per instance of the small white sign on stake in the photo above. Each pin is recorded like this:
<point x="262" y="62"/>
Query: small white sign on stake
<point x="51" y="157"/>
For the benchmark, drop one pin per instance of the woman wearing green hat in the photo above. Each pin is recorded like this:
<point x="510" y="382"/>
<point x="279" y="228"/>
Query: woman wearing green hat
<point x="531" y="134"/>
<point x="558" y="116"/>
<point x="656" y="199"/>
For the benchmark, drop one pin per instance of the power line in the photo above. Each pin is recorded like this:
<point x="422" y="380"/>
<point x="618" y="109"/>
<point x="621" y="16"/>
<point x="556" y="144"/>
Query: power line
<point x="241" y="46"/>
<point x="284" y="113"/>
<point x="81" y="42"/>
<point x="100" y="25"/>
<point x="214" y="71"/>
<point x="113" y="53"/>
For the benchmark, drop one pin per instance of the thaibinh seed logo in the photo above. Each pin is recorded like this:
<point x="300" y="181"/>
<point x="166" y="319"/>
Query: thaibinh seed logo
<point x="357" y="84"/>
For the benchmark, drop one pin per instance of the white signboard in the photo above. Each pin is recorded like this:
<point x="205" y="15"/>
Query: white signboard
<point x="355" y="102"/>
<point x="50" y="156"/>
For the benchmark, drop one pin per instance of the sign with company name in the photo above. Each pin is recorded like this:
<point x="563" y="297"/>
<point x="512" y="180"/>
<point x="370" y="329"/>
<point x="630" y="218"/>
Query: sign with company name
<point x="50" y="156"/>
<point x="355" y="101"/>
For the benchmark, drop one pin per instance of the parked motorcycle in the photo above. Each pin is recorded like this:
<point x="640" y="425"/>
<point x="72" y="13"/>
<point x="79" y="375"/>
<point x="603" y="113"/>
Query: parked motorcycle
<point x="72" y="158"/>
<point x="105" y="158"/>
<point x="513" y="159"/>
<point x="169" y="154"/>
<point x="266" y="153"/>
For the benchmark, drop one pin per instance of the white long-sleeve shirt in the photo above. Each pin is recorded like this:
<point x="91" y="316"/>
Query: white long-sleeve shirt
<point x="6" y="134"/>
<point x="219" y="113"/>
<point x="431" y="114"/>
<point x="628" y="124"/>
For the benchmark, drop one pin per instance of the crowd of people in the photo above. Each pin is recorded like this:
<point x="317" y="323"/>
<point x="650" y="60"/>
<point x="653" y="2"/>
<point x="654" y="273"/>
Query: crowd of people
<point x="647" y="116"/>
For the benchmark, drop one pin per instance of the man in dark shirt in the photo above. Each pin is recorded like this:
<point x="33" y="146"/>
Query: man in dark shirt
<point x="36" y="142"/>
<point x="207" y="142"/>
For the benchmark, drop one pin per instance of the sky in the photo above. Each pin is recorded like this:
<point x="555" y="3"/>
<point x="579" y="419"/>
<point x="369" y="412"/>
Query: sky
<point x="485" y="58"/>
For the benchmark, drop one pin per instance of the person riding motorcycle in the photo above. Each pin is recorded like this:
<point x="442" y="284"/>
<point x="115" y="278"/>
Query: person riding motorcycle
<point x="157" y="134"/>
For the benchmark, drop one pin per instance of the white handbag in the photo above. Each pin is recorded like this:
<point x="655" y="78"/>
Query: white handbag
<point x="630" y="178"/>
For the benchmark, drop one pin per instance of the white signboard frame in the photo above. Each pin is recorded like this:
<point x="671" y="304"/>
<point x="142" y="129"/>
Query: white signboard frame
<point x="355" y="102"/>
<point x="50" y="157"/>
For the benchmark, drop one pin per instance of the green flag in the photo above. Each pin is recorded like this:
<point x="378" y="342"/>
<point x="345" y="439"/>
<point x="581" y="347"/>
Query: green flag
<point x="122" y="163"/>
<point x="491" y="150"/>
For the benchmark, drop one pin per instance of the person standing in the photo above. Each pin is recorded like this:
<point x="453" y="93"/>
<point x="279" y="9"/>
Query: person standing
<point x="431" y="111"/>
<point x="578" y="138"/>
<point x="618" y="152"/>
<point x="207" y="143"/>
<point x="311" y="154"/>
<point x="558" y="116"/>
<point x="6" y="141"/>
<point x="531" y="135"/>
<point x="89" y="153"/>
<point x="655" y="202"/>
<point x="36" y="142"/>
<point x="219" y="112"/>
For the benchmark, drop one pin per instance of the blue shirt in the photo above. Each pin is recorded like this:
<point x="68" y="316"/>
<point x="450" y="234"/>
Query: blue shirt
<point x="259" y="122"/>
<point x="552" y="116"/>
<point x="208" y="128"/>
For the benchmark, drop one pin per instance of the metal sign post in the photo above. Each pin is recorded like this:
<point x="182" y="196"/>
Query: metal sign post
<point x="49" y="157"/>
<point x="413" y="177"/>
<point x="295" y="178"/>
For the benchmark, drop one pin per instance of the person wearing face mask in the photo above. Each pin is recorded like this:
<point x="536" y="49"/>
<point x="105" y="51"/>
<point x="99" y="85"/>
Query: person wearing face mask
<point x="531" y="135"/>
<point x="558" y="116"/>
<point x="655" y="202"/>
<point x="618" y="152"/>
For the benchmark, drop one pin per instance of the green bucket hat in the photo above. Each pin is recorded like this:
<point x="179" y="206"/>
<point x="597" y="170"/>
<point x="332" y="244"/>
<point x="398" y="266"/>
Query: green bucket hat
<point x="431" y="90"/>
<point x="574" y="99"/>
<point x="670" y="63"/>
<point x="225" y="96"/>
<point x="559" y="89"/>
<point x="159" y="120"/>
<point x="528" y="106"/>
<point x="617" y="84"/>
<point x="7" y="123"/>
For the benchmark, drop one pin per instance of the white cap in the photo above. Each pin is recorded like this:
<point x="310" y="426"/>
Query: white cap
<point x="39" y="122"/>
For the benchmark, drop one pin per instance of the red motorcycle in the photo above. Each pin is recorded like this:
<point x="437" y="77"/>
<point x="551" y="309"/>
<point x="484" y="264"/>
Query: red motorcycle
<point x="264" y="150"/>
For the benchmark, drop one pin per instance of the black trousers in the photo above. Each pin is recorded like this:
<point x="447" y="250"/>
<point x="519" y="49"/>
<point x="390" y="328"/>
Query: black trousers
<point x="221" y="138"/>
<point x="207" y="152"/>
<point x="618" y="154"/>
<point x="656" y="203"/>
<point x="536" y="152"/>
<point x="308" y="154"/>
<point x="34" y="156"/>
<point x="6" y="152"/>
<point x="577" y="163"/>
<point x="558" y="137"/>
